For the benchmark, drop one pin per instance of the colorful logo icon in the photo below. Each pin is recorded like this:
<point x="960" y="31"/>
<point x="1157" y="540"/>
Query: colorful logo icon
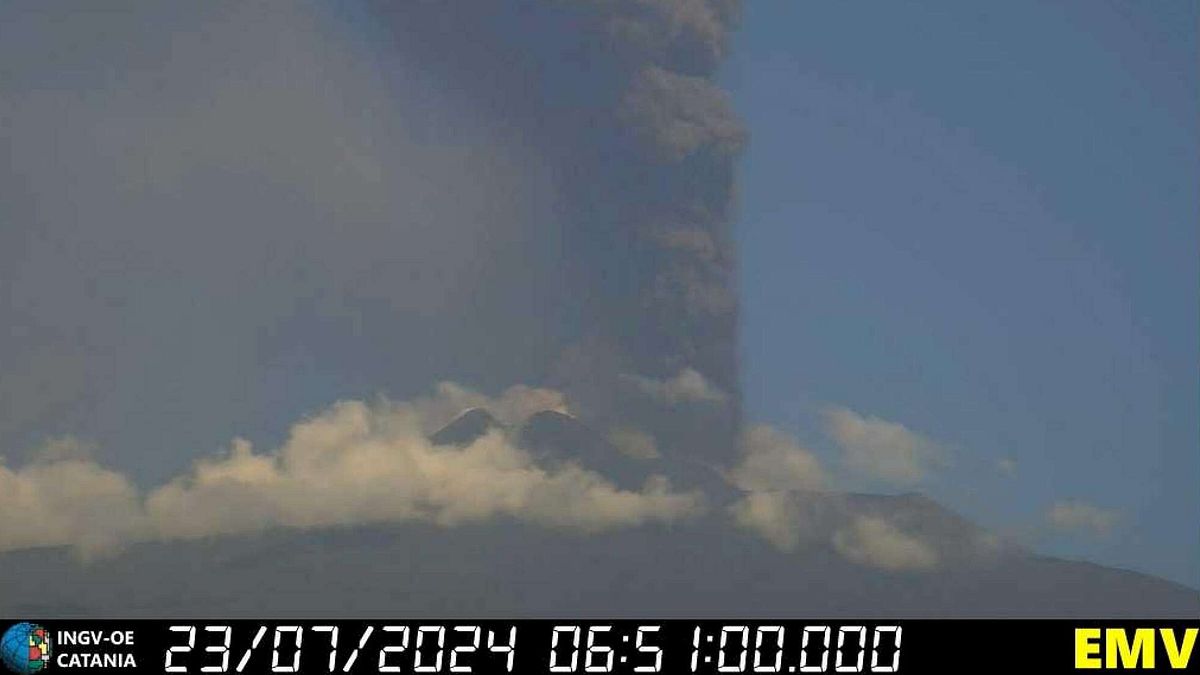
<point x="25" y="648"/>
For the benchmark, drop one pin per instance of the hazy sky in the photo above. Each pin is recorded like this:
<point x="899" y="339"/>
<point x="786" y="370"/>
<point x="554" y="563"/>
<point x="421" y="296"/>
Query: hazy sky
<point x="980" y="220"/>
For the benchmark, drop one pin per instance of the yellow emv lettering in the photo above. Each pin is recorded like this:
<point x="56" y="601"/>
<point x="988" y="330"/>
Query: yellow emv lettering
<point x="1119" y="651"/>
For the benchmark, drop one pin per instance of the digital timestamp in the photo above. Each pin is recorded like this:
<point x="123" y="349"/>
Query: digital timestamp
<point x="617" y="646"/>
<point x="557" y="648"/>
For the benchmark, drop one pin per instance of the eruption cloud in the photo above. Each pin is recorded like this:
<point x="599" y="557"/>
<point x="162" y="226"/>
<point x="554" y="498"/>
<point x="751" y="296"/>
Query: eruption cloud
<point x="620" y="99"/>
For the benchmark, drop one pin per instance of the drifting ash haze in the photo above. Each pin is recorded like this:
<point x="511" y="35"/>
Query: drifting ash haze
<point x="228" y="216"/>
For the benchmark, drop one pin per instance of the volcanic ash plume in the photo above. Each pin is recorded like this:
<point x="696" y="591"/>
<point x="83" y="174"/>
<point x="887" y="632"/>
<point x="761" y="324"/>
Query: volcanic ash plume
<point x="620" y="98"/>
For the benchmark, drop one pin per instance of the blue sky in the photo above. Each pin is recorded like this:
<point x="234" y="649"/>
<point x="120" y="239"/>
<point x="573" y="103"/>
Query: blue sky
<point x="979" y="220"/>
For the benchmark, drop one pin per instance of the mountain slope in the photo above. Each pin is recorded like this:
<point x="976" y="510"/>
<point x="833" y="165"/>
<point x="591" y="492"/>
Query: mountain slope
<point x="466" y="428"/>
<point x="706" y="569"/>
<point x="556" y="438"/>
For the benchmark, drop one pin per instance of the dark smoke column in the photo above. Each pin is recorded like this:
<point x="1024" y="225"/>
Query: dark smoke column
<point x="620" y="99"/>
<point x="674" y="171"/>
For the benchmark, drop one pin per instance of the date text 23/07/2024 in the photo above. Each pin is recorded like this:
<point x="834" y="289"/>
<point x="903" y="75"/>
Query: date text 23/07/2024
<point x="620" y="647"/>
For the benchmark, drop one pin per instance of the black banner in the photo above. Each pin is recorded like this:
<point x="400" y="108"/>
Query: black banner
<point x="621" y="647"/>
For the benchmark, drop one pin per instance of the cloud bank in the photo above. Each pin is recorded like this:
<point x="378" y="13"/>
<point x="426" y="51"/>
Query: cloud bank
<point x="771" y="516"/>
<point x="67" y="502"/>
<point x="788" y="500"/>
<point x="883" y="450"/>
<point x="874" y="542"/>
<point x="358" y="463"/>
<point x="774" y="461"/>
<point x="352" y="464"/>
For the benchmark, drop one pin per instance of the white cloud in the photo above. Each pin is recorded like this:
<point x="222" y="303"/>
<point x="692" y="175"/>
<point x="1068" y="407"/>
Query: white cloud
<point x="1077" y="516"/>
<point x="689" y="386"/>
<point x="773" y="468"/>
<point x="883" y="450"/>
<point x="354" y="463"/>
<point x="789" y="519"/>
<point x="774" y="461"/>
<point x="66" y="501"/>
<point x="634" y="443"/>
<point x="360" y="464"/>
<point x="770" y="515"/>
<point x="874" y="542"/>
